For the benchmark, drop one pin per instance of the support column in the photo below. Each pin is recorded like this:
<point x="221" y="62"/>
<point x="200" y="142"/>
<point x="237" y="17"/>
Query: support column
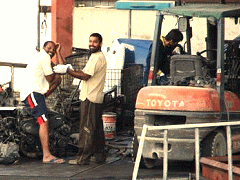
<point x="62" y="25"/>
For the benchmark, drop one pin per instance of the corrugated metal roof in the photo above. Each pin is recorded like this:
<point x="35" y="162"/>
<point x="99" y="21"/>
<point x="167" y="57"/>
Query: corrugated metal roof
<point x="205" y="10"/>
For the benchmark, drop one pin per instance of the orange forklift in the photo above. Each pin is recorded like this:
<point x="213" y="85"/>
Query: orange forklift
<point x="201" y="88"/>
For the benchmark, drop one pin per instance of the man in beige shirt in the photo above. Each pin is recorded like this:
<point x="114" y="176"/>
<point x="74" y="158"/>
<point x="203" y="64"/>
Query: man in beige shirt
<point x="91" y="135"/>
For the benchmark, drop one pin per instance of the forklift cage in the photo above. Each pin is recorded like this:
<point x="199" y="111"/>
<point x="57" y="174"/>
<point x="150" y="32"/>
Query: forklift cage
<point x="197" y="145"/>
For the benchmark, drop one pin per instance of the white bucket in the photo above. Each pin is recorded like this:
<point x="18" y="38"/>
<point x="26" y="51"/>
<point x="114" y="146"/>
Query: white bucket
<point x="109" y="125"/>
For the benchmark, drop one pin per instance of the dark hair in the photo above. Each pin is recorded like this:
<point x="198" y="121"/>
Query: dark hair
<point x="98" y="36"/>
<point x="47" y="42"/>
<point x="175" y="35"/>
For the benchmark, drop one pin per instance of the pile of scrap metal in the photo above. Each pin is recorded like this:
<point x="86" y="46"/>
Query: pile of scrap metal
<point x="6" y="96"/>
<point x="120" y="147"/>
<point x="117" y="148"/>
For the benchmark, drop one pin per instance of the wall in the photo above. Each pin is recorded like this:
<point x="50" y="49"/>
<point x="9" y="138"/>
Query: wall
<point x="109" y="23"/>
<point x="113" y="23"/>
<point x="18" y="32"/>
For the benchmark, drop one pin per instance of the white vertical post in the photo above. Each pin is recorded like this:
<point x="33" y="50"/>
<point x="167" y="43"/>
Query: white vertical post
<point x="229" y="147"/>
<point x="165" y="155"/>
<point x="12" y="78"/>
<point x="197" y="153"/>
<point x="139" y="153"/>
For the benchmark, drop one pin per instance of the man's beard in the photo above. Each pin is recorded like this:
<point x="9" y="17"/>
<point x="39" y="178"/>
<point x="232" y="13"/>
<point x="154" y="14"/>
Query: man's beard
<point x="93" y="50"/>
<point x="51" y="54"/>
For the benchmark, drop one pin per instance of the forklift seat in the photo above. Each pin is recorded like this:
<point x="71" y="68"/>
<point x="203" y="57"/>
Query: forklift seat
<point x="186" y="67"/>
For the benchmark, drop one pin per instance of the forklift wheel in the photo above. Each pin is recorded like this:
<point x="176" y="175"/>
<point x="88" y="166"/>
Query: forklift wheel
<point x="144" y="162"/>
<point x="150" y="163"/>
<point x="215" y="144"/>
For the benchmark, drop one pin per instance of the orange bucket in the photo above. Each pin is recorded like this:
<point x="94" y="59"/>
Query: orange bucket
<point x="109" y="125"/>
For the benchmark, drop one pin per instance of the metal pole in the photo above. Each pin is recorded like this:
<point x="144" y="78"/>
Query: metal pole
<point x="192" y="126"/>
<point x="220" y="64"/>
<point x="139" y="153"/>
<point x="188" y="36"/>
<point x="130" y="24"/>
<point x="165" y="156"/>
<point x="229" y="144"/>
<point x="197" y="153"/>
<point x="12" y="78"/>
<point x="38" y="26"/>
<point x="155" y="47"/>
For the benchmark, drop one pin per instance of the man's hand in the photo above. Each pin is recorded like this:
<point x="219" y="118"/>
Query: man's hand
<point x="69" y="67"/>
<point x="62" y="69"/>
<point x="58" y="47"/>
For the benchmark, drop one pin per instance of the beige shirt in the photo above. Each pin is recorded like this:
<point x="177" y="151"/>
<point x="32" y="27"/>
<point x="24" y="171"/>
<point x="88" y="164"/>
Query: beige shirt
<point x="34" y="77"/>
<point x="92" y="89"/>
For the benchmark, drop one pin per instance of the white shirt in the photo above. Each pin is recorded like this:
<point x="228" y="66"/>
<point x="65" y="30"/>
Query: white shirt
<point x="35" y="73"/>
<point x="92" y="89"/>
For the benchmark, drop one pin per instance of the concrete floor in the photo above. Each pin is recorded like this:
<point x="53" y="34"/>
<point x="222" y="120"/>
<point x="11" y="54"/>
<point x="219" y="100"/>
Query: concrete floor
<point x="119" y="165"/>
<point x="121" y="169"/>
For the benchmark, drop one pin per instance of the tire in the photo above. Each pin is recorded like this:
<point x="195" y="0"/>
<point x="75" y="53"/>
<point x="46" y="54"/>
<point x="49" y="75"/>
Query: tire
<point x="149" y="163"/>
<point x="144" y="162"/>
<point x="215" y="144"/>
<point x="26" y="152"/>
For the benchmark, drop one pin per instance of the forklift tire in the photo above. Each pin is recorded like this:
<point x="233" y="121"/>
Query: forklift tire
<point x="144" y="162"/>
<point x="215" y="144"/>
<point x="149" y="163"/>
